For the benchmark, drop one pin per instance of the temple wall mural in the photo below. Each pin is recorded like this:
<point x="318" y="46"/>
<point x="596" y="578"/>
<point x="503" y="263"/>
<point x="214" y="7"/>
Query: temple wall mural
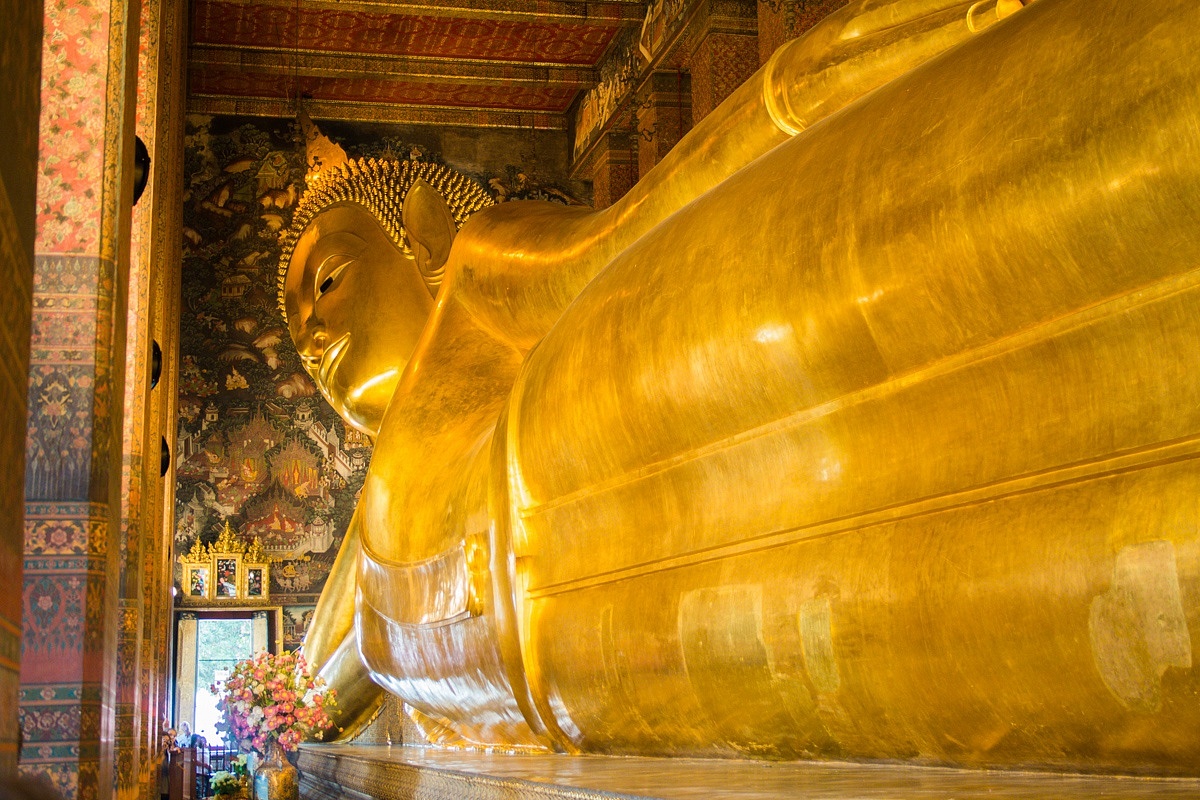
<point x="257" y="445"/>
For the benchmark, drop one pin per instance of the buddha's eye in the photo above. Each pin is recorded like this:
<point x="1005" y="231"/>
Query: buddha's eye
<point x="328" y="274"/>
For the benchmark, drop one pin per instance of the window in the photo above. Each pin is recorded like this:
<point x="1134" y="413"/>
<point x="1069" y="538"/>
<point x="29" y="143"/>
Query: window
<point x="220" y="643"/>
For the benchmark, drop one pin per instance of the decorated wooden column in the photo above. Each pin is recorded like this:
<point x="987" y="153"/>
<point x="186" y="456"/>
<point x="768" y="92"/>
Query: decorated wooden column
<point x="161" y="262"/>
<point x="20" y="64"/>
<point x="615" y="167"/>
<point x="75" y="390"/>
<point x="151" y="325"/>
<point x="664" y="115"/>
<point x="725" y="52"/>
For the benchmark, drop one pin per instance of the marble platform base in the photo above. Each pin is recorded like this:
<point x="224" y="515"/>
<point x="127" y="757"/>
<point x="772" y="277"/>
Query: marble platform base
<point x="355" y="772"/>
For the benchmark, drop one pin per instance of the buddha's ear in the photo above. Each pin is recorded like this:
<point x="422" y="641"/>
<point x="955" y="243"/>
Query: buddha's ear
<point x="430" y="228"/>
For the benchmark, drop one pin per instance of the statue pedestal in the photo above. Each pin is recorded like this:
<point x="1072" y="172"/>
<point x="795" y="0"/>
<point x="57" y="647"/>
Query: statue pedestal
<point x="415" y="773"/>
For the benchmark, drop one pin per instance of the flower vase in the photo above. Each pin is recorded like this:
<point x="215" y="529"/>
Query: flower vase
<point x="274" y="777"/>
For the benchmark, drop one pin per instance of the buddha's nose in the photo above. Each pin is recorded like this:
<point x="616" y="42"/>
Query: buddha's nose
<point x="311" y="345"/>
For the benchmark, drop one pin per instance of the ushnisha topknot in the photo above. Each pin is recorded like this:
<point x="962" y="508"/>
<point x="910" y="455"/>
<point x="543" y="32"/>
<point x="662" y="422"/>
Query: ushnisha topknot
<point x="379" y="186"/>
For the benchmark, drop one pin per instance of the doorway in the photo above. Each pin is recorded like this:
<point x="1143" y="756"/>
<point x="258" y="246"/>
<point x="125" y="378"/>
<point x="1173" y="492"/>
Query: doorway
<point x="208" y="644"/>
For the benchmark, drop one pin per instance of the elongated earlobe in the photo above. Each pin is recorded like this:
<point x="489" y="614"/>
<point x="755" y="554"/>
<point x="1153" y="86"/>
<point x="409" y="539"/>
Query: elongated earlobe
<point x="430" y="229"/>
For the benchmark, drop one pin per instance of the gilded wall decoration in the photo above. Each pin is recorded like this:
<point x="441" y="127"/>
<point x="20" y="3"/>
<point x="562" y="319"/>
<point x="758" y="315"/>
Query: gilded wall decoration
<point x="663" y="20"/>
<point x="257" y="449"/>
<point x="618" y="76"/>
<point x="230" y="570"/>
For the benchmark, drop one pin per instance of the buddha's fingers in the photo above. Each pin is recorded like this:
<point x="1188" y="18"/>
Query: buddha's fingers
<point x="358" y="697"/>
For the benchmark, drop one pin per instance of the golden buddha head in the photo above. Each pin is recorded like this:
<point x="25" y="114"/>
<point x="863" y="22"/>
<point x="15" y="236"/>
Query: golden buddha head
<point x="360" y="267"/>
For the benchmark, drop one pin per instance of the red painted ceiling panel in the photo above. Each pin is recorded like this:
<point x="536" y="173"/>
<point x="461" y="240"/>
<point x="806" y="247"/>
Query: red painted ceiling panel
<point x="517" y="98"/>
<point x="227" y="23"/>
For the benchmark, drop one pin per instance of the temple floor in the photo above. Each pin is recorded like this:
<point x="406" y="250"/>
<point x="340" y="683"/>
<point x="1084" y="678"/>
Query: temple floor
<point x="401" y="773"/>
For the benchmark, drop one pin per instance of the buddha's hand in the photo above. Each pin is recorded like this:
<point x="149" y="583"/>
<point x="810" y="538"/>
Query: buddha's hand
<point x="331" y="646"/>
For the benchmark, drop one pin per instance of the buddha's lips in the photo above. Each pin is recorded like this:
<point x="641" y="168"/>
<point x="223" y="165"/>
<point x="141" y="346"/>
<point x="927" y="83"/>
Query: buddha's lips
<point x="330" y="358"/>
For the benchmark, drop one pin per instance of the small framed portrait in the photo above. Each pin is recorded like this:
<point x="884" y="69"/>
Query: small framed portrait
<point x="254" y="582"/>
<point x="225" y="573"/>
<point x="197" y="582"/>
<point x="226" y="582"/>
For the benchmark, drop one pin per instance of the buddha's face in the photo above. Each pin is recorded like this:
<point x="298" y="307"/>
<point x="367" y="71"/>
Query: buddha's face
<point x="356" y="305"/>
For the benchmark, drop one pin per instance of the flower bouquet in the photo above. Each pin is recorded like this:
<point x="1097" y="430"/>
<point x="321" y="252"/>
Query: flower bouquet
<point x="269" y="704"/>
<point x="270" y="699"/>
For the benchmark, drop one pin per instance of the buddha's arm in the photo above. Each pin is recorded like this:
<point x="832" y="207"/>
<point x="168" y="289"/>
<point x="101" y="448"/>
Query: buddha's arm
<point x="334" y="616"/>
<point x="331" y="647"/>
<point x="521" y="264"/>
<point x="435" y="616"/>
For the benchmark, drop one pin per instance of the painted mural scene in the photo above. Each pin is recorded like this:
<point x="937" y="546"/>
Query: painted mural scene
<point x="257" y="448"/>
<point x="750" y="399"/>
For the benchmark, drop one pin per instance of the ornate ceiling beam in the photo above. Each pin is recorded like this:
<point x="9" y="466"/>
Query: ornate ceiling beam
<point x="376" y="67"/>
<point x="608" y="11"/>
<point x="476" y="63"/>
<point x="377" y="112"/>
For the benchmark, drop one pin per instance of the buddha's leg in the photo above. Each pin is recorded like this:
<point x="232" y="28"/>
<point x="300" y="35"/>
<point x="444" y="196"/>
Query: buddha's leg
<point x="890" y="446"/>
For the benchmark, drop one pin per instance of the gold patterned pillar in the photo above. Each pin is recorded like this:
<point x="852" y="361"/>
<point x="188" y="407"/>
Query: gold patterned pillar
<point x="161" y="261"/>
<point x="75" y="390"/>
<point x="20" y="64"/>
<point x="615" y="167"/>
<point x="725" y="55"/>
<point x="664" y="115"/>
<point x="151" y="321"/>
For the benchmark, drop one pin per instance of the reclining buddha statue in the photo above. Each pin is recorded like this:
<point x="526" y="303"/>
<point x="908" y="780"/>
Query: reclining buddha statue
<point x="865" y="426"/>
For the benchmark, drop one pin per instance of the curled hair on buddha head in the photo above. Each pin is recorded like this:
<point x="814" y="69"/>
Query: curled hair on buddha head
<point x="379" y="186"/>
